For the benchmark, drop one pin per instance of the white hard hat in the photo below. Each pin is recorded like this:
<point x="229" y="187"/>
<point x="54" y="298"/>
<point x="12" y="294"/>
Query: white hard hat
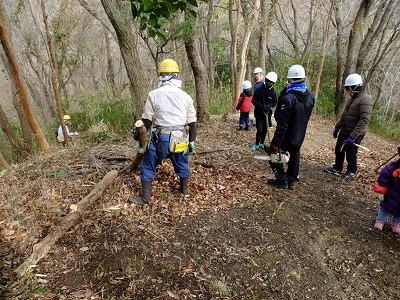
<point x="246" y="85"/>
<point x="272" y="76"/>
<point x="296" y="72"/>
<point x="353" y="79"/>
<point x="258" y="70"/>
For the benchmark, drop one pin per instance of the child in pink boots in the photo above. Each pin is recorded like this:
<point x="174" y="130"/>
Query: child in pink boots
<point x="388" y="189"/>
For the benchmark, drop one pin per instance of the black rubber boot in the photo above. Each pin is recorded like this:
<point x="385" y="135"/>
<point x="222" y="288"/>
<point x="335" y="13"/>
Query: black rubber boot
<point x="183" y="188"/>
<point x="145" y="198"/>
<point x="291" y="184"/>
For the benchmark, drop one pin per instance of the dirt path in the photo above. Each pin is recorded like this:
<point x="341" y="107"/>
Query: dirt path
<point x="233" y="237"/>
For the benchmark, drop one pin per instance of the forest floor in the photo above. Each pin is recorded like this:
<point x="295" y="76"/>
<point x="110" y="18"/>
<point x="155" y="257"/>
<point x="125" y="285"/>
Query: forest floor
<point x="232" y="237"/>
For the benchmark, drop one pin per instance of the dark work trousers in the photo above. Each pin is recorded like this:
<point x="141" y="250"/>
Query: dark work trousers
<point x="293" y="165"/>
<point x="349" y="151"/>
<point x="261" y="126"/>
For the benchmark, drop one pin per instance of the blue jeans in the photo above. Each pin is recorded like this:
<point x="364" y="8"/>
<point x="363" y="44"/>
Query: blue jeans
<point x="382" y="216"/>
<point x="148" y="166"/>
<point x="244" y="119"/>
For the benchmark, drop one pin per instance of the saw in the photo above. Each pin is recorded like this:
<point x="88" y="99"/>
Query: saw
<point x="278" y="158"/>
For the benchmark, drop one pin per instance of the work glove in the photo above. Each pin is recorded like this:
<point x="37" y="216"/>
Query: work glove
<point x="135" y="134"/>
<point x="351" y="141"/>
<point x="140" y="149"/>
<point x="190" y="150"/>
<point x="273" y="149"/>
<point x="335" y="132"/>
<point x="266" y="108"/>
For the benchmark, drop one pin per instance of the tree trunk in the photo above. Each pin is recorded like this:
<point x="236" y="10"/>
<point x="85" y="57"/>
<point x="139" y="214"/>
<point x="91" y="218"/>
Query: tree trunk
<point x="20" y="84"/>
<point x="234" y="29"/>
<point x="54" y="72"/>
<point x="339" y="56"/>
<point x="209" y="47"/>
<point x="200" y="74"/>
<point x="40" y="249"/>
<point x="4" y="162"/>
<point x="250" y="20"/>
<point x="122" y="23"/>
<point x="323" y="53"/>
<point x="12" y="137"/>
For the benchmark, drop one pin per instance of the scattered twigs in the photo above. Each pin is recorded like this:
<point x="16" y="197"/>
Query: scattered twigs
<point x="40" y="249"/>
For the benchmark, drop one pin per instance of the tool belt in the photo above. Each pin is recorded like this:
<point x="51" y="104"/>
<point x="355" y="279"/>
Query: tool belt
<point x="179" y="138"/>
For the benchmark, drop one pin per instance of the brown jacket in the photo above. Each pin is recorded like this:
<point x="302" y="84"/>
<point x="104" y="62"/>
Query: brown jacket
<point x="356" y="115"/>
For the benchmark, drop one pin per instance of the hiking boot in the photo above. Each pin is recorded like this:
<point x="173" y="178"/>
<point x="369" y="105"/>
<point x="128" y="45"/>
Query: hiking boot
<point x="283" y="184"/>
<point x="255" y="147"/>
<point x="332" y="171"/>
<point x="349" y="175"/>
<point x="395" y="227"/>
<point x="291" y="184"/>
<point x="379" y="224"/>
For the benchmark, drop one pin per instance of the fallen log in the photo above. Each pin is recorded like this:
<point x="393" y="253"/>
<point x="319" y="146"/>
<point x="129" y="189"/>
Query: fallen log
<point x="143" y="141"/>
<point x="41" y="248"/>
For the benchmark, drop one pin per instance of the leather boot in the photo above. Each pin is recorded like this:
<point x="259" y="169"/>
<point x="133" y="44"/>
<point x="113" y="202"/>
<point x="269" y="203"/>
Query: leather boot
<point x="183" y="188"/>
<point x="145" y="198"/>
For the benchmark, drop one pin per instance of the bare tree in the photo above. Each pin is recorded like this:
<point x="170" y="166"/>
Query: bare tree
<point x="199" y="71"/>
<point x="116" y="10"/>
<point x="19" y="80"/>
<point x="250" y="14"/>
<point x="54" y="74"/>
<point x="323" y="52"/>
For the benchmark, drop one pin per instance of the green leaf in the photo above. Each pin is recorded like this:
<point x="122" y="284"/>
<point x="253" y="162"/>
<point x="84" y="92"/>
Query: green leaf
<point x="151" y="33"/>
<point x="174" y="8"/>
<point x="193" y="2"/>
<point x="162" y="36"/>
<point x="193" y="13"/>
<point x="60" y="174"/>
<point x="134" y="11"/>
<point x="148" y="6"/>
<point x="153" y="20"/>
<point x="143" y="23"/>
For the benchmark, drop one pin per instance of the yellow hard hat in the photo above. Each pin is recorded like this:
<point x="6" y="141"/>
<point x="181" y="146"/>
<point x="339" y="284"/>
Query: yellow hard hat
<point x="67" y="117"/>
<point x="169" y="66"/>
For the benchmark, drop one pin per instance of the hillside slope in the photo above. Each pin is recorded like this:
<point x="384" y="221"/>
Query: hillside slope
<point x="232" y="237"/>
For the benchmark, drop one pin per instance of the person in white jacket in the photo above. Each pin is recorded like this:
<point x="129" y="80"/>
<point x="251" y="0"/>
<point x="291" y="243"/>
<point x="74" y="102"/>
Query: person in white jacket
<point x="60" y="134"/>
<point x="170" y="113"/>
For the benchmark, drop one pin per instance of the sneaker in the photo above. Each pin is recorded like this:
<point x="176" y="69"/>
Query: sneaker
<point x="283" y="184"/>
<point x="379" y="224"/>
<point x="350" y="175"/>
<point x="395" y="227"/>
<point x="262" y="146"/>
<point x="332" y="171"/>
<point x="255" y="147"/>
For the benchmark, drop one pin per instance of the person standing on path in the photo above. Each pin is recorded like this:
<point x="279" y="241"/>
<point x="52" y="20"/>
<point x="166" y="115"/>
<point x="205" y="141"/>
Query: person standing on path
<point x="264" y="100"/>
<point x="258" y="78"/>
<point x="295" y="109"/>
<point x="171" y="109"/>
<point x="351" y="127"/>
